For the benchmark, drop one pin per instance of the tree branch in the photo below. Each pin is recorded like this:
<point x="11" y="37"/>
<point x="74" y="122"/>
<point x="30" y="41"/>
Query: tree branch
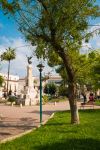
<point x="89" y="33"/>
<point x="43" y="5"/>
<point x="29" y="13"/>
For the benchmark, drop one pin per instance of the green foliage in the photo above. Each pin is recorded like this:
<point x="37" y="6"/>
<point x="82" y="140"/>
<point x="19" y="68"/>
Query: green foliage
<point x="58" y="99"/>
<point x="95" y="70"/>
<point x="44" y="99"/>
<point x="87" y="69"/>
<point x="63" y="91"/>
<point x="35" y="81"/>
<point x="53" y="24"/>
<point x="91" y="74"/>
<point x="62" y="71"/>
<point x="1" y="80"/>
<point x="58" y="134"/>
<point x="50" y="88"/>
<point x="8" y="55"/>
<point x="12" y="99"/>
<point x="9" y="6"/>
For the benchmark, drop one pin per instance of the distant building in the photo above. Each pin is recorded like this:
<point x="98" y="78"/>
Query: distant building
<point x="13" y="83"/>
<point x="22" y="84"/>
<point x="55" y="79"/>
<point x="17" y="85"/>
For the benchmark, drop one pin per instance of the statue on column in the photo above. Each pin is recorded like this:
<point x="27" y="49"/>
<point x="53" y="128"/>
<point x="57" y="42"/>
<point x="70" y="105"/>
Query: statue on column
<point x="29" y="71"/>
<point x="29" y="59"/>
<point x="29" y="90"/>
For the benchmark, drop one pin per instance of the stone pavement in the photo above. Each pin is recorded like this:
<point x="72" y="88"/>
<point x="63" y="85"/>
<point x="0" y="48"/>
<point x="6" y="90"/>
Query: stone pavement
<point x="15" y="120"/>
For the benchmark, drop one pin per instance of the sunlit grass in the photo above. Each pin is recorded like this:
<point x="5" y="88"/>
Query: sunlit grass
<point x="59" y="134"/>
<point x="97" y="102"/>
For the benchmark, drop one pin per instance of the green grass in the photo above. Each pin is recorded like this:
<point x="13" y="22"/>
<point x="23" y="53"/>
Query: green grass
<point x="97" y="102"/>
<point x="60" y="99"/>
<point x="59" y="134"/>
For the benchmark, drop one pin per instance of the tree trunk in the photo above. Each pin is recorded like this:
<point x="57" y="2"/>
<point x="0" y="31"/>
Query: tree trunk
<point x="73" y="104"/>
<point x="71" y="79"/>
<point x="72" y="89"/>
<point x="8" y="77"/>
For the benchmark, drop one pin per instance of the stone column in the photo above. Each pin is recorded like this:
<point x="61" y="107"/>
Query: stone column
<point x="29" y="76"/>
<point x="30" y="92"/>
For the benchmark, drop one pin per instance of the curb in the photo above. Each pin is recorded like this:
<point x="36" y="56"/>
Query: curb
<point x="26" y="132"/>
<point x="16" y="136"/>
<point x="48" y="119"/>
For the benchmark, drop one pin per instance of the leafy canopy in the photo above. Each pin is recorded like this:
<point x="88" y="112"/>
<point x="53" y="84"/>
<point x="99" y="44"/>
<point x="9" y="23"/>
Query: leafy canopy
<point x="8" y="55"/>
<point x="55" y="26"/>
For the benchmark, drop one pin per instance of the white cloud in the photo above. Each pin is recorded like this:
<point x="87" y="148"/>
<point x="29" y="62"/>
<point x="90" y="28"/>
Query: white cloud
<point x="95" y="29"/>
<point x="98" y="43"/>
<point x="86" y="47"/>
<point x="19" y="65"/>
<point x="94" y="42"/>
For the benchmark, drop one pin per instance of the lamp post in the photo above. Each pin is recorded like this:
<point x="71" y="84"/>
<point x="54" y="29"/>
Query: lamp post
<point x="40" y="67"/>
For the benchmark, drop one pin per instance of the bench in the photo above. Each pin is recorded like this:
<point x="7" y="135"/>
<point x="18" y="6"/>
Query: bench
<point x="88" y="104"/>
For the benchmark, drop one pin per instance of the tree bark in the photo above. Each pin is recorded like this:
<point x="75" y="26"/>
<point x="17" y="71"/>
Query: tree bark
<point x="8" y="78"/>
<point x="73" y="104"/>
<point x="72" y="88"/>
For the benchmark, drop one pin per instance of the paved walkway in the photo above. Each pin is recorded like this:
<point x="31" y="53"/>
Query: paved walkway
<point x="15" y="120"/>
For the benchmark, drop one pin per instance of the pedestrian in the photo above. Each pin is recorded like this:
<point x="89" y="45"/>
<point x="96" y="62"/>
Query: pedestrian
<point x="84" y="98"/>
<point x="91" y="97"/>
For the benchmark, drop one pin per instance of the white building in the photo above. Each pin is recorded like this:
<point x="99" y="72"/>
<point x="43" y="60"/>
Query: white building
<point x="17" y="85"/>
<point x="55" y="79"/>
<point x="12" y="83"/>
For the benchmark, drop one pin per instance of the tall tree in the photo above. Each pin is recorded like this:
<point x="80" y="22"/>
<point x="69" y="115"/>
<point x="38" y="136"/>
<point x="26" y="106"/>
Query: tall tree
<point x="8" y="56"/>
<point x="57" y="27"/>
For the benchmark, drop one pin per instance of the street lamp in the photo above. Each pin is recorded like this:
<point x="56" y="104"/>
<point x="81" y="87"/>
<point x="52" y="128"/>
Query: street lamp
<point x="40" y="67"/>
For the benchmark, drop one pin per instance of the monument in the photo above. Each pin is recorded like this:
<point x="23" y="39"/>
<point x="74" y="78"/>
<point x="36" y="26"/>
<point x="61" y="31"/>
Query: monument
<point x="30" y="94"/>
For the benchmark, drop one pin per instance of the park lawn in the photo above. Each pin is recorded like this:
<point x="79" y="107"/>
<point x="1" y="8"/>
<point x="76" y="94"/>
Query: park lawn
<point x="60" y="99"/>
<point x="97" y="102"/>
<point x="59" y="134"/>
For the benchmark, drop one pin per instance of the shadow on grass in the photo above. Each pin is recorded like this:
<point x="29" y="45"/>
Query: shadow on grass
<point x="71" y="144"/>
<point x="89" y="110"/>
<point x="57" y="124"/>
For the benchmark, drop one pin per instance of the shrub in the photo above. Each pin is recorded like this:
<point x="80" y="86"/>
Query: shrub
<point x="50" y="88"/>
<point x="1" y="80"/>
<point x="12" y="99"/>
<point x="45" y="99"/>
<point x="63" y="91"/>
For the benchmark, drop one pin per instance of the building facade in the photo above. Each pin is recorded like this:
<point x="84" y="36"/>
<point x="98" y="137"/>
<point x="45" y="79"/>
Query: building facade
<point x="12" y="83"/>
<point x="17" y="85"/>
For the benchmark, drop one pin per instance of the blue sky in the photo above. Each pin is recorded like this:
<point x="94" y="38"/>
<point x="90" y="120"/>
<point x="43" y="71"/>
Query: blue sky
<point x="8" y="26"/>
<point x="10" y="36"/>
